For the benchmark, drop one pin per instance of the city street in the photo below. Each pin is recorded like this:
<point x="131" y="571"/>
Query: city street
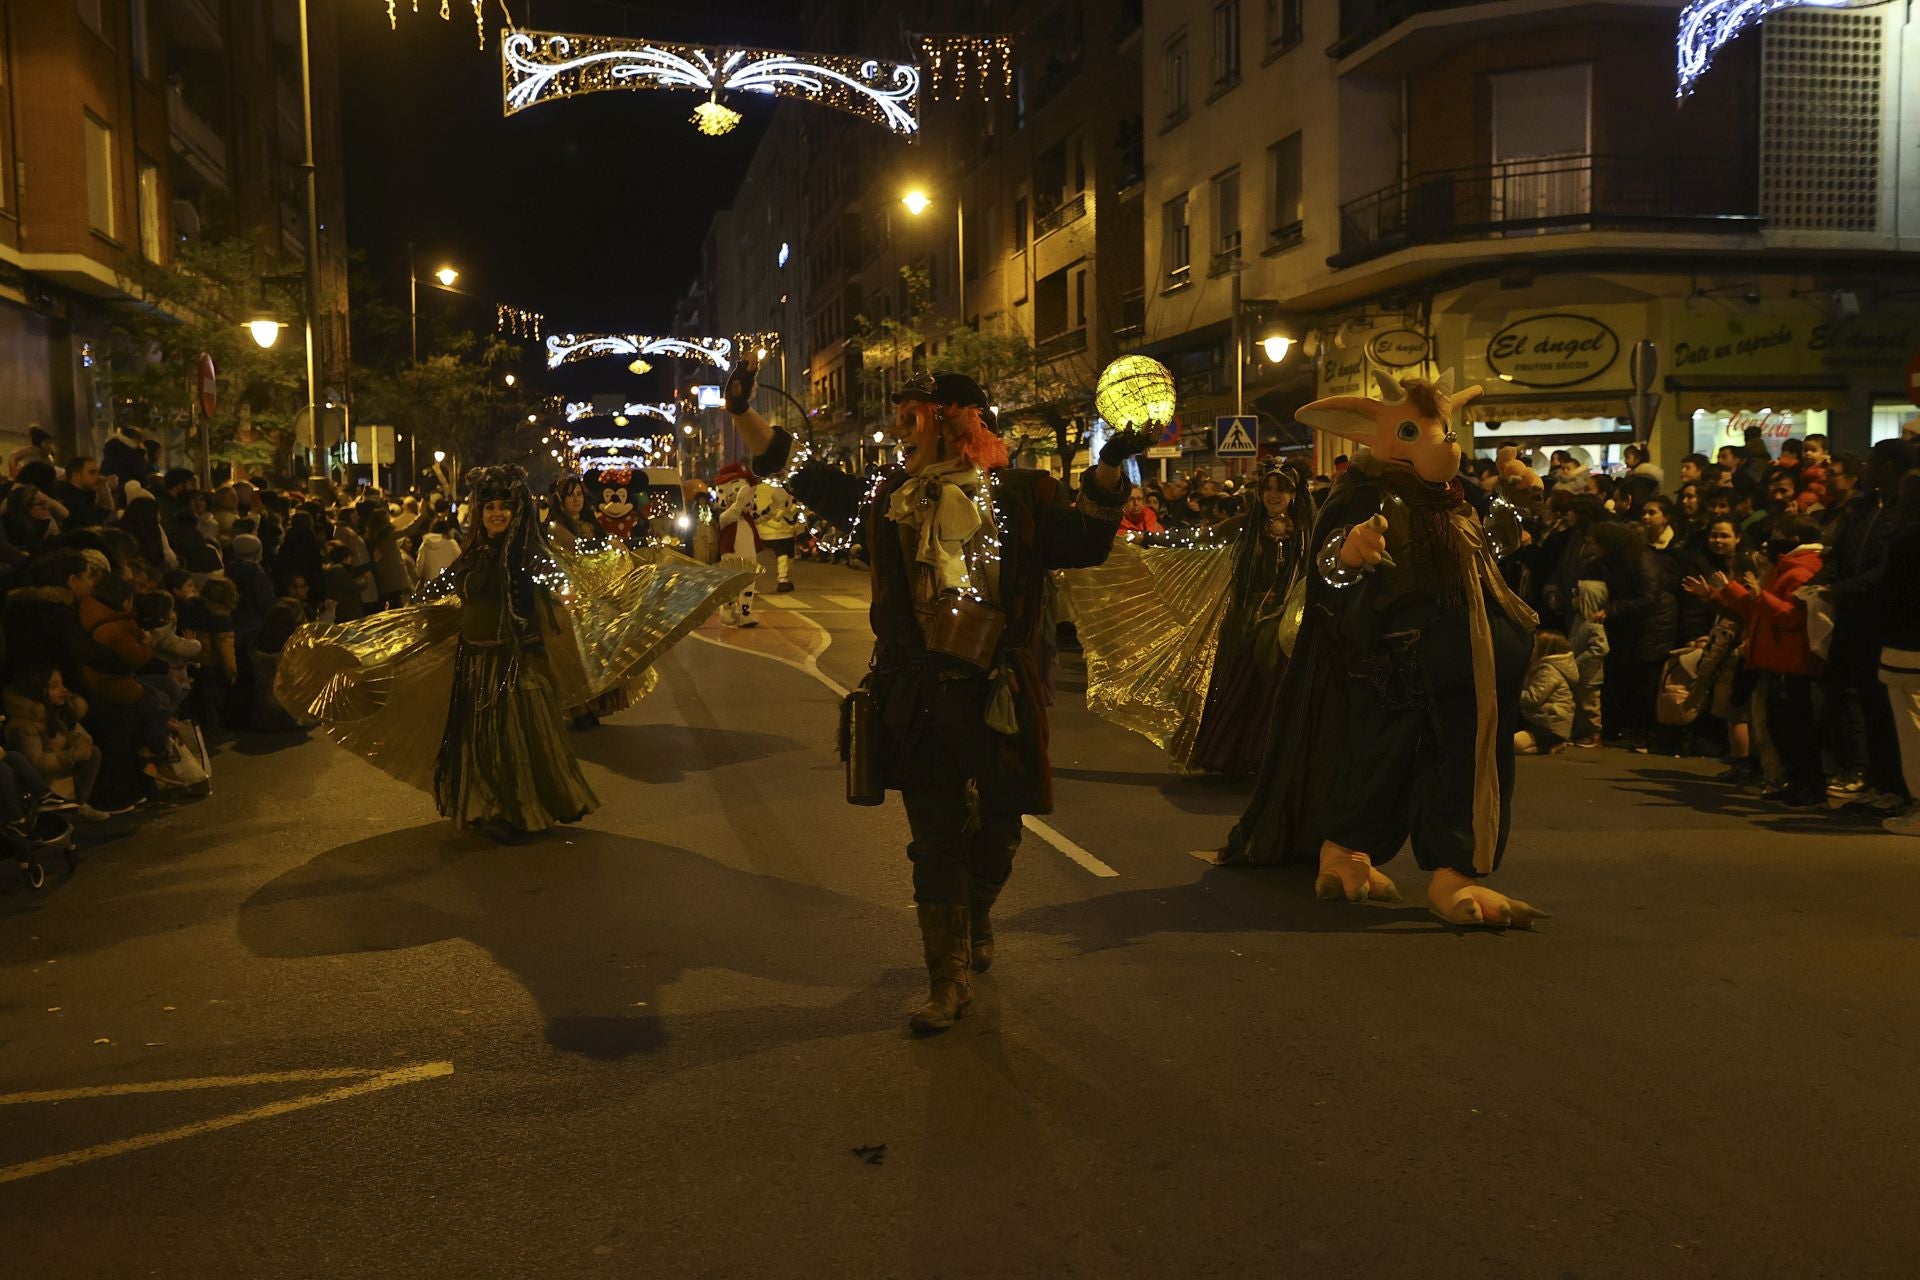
<point x="303" y="1028"/>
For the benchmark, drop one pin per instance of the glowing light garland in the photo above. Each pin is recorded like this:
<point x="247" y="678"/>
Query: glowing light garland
<point x="569" y="348"/>
<point x="543" y="66"/>
<point x="446" y="15"/>
<point x="666" y="411"/>
<point x="1707" y="25"/>
<point x="952" y="61"/>
<point x="517" y="321"/>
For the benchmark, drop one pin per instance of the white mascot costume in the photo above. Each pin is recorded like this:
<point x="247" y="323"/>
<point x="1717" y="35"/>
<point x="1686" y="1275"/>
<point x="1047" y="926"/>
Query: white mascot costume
<point x="774" y="520"/>
<point x="739" y="539"/>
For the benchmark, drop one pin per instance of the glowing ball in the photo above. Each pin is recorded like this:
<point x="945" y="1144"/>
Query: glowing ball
<point x="1135" y="392"/>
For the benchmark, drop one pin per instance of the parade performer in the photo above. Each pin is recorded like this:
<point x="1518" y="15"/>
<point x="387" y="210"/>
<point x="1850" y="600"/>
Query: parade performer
<point x="1269" y="562"/>
<point x="739" y="538"/>
<point x="775" y="523"/>
<point x="962" y="544"/>
<point x="1399" y="704"/>
<point x="459" y="693"/>
<point x="574" y="525"/>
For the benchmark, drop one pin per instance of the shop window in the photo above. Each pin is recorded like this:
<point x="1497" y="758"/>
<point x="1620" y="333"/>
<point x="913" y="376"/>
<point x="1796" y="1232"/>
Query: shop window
<point x="1174" y="72"/>
<point x="1542" y="137"/>
<point x="98" y="140"/>
<point x="1890" y="418"/>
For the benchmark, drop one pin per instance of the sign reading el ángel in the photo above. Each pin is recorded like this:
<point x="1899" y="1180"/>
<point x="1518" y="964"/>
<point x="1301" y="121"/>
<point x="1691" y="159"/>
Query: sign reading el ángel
<point x="1558" y="349"/>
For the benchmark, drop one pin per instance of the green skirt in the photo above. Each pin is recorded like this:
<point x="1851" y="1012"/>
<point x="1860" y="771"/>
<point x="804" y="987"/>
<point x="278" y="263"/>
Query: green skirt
<point x="505" y="756"/>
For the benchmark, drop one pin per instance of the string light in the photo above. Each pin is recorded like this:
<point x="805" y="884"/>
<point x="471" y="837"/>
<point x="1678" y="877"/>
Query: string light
<point x="543" y="66"/>
<point x="518" y="321"/>
<point x="580" y="410"/>
<point x="1707" y="25"/>
<point x="951" y="61"/>
<point x="567" y="348"/>
<point x="446" y="15"/>
<point x="715" y="120"/>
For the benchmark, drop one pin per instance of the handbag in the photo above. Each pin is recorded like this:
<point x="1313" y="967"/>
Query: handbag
<point x="860" y="748"/>
<point x="964" y="627"/>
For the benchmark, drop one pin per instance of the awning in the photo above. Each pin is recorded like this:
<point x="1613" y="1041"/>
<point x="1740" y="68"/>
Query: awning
<point x="1765" y="400"/>
<point x="1540" y="408"/>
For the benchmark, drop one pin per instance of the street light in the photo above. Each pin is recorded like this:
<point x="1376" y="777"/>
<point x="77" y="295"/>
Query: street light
<point x="510" y="379"/>
<point x="917" y="201"/>
<point x="1276" y="346"/>
<point x="439" y="455"/>
<point x="446" y="276"/>
<point x="265" y="330"/>
<point x="879" y="437"/>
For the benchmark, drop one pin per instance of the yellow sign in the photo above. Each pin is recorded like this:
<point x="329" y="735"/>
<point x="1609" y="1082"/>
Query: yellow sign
<point x="1708" y="342"/>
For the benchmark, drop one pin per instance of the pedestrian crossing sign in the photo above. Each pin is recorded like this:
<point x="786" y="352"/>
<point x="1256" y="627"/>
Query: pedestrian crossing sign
<point x="1236" y="436"/>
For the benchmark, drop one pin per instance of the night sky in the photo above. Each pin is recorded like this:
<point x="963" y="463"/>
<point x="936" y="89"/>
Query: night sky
<point x="590" y="210"/>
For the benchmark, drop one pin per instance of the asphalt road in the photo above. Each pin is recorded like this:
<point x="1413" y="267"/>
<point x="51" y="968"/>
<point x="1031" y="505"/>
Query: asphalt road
<point x="304" y="1029"/>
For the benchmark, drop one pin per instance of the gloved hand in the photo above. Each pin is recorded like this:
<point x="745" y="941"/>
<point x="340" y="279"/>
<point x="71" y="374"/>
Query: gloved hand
<point x="1124" y="445"/>
<point x="738" y="394"/>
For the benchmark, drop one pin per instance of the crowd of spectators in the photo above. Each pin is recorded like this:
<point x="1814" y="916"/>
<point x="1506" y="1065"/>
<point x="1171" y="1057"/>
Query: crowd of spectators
<point x="144" y="617"/>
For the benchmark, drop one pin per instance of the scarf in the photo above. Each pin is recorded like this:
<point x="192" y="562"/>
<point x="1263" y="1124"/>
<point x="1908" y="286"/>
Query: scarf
<point x="942" y="505"/>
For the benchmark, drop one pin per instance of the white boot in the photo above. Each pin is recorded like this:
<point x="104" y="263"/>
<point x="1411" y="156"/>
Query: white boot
<point x="746" y="610"/>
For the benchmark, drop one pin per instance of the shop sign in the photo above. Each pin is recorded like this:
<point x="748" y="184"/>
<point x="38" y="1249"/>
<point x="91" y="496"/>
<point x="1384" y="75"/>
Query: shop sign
<point x="1712" y="430"/>
<point x="1558" y="349"/>
<point x="1398" y="348"/>
<point x="1561" y="410"/>
<point x="1793" y="342"/>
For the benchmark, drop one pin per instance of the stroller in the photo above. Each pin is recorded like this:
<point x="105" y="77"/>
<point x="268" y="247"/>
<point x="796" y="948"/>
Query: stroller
<point x="42" y="840"/>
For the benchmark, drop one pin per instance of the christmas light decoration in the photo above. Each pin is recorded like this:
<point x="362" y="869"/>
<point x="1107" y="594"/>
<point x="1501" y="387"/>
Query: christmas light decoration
<point x="1706" y="25"/>
<point x="446" y="15"/>
<point x="518" y="322"/>
<point x="543" y="66"/>
<point x="666" y="411"/>
<point x="1136" y="392"/>
<point x="715" y="120"/>
<point x="956" y="64"/>
<point x="568" y="348"/>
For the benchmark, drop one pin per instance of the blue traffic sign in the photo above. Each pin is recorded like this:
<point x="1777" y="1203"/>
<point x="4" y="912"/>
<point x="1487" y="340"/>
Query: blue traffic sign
<point x="1236" y="436"/>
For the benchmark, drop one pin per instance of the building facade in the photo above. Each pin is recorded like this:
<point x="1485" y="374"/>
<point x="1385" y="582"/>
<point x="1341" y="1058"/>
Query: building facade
<point x="133" y="126"/>
<point x="1513" y="190"/>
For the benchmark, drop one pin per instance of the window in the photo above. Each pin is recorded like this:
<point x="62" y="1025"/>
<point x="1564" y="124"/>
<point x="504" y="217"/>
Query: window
<point x="1284" y="208"/>
<point x="151" y="238"/>
<point x="1077" y="310"/>
<point x="1226" y="217"/>
<point x="1173" y="82"/>
<point x="1020" y="224"/>
<point x="1175" y="243"/>
<point x="99" y="144"/>
<point x="1542" y="134"/>
<point x="1226" y="44"/>
<point x="1283" y="25"/>
<point x="92" y="13"/>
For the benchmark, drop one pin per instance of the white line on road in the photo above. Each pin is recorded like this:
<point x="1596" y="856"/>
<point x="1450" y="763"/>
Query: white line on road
<point x="782" y="602"/>
<point x="198" y="1082"/>
<point x="1075" y="852"/>
<point x="140" y="1142"/>
<point x="850" y="602"/>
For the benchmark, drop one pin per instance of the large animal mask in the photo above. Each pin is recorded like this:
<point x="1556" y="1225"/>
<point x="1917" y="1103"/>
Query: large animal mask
<point x="1413" y="424"/>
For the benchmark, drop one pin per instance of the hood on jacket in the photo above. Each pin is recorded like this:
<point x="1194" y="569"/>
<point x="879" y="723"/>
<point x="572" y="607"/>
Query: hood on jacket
<point x="41" y="595"/>
<point x="1565" y="665"/>
<point x="31" y="713"/>
<point x="1589" y="597"/>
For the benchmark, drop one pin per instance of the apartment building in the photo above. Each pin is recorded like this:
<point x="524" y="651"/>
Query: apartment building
<point x="132" y="126"/>
<point x="1514" y="191"/>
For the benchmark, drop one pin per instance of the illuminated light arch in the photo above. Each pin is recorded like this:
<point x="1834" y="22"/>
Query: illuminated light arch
<point x="666" y="411"/>
<point x="1707" y="25"/>
<point x="544" y="66"/>
<point x="570" y="348"/>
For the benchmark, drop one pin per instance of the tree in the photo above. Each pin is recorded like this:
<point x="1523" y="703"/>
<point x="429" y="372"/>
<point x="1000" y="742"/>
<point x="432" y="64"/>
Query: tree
<point x="1044" y="404"/>
<point x="889" y="345"/>
<point x="193" y="305"/>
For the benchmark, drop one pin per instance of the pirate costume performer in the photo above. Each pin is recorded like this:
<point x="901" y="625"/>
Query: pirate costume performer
<point x="962" y="545"/>
<point x="459" y="693"/>
<point x="1399" y="703"/>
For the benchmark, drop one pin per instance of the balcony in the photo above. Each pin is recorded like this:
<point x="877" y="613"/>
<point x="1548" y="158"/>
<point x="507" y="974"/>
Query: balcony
<point x="1063" y="215"/>
<point x="198" y="141"/>
<point x="1393" y="37"/>
<point x="1070" y="343"/>
<point x="1547" y="195"/>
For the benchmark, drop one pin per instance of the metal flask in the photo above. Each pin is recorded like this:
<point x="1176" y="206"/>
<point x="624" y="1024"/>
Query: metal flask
<point x="860" y="748"/>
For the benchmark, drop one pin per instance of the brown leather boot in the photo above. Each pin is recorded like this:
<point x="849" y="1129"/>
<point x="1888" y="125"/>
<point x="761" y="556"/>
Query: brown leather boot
<point x="979" y="917"/>
<point x="944" y="937"/>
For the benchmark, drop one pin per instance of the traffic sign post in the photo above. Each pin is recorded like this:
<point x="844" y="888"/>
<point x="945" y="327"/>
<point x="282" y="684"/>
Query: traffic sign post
<point x="1236" y="436"/>
<point x="1167" y="443"/>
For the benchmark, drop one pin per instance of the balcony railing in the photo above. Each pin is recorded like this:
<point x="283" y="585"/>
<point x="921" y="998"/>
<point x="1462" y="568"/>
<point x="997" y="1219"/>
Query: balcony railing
<point x="1072" y="342"/>
<point x="199" y="140"/>
<point x="1068" y="212"/>
<point x="1362" y="20"/>
<point x="1550" y="194"/>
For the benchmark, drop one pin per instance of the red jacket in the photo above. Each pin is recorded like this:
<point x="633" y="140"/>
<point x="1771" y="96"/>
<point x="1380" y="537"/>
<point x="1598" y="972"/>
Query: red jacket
<point x="1146" y="523"/>
<point x="1776" y="622"/>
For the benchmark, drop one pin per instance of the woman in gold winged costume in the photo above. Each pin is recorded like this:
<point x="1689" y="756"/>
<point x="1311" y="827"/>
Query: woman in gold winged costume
<point x="459" y="693"/>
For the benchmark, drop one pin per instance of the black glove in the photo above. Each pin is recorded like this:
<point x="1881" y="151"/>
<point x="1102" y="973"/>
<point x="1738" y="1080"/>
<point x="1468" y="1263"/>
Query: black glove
<point x="740" y="384"/>
<point x="1124" y="445"/>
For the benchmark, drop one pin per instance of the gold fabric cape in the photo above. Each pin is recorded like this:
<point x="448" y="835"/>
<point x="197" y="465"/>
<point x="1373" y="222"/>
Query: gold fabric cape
<point x="1149" y="624"/>
<point x="381" y="684"/>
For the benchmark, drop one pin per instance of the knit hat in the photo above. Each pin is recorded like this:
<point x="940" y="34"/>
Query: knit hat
<point x="247" y="548"/>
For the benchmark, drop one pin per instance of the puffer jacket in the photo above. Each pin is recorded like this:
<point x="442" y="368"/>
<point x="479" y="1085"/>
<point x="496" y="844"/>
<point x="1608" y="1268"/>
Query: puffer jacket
<point x="1547" y="700"/>
<point x="1776" y="620"/>
<point x="117" y="630"/>
<point x="44" y="632"/>
<point x="51" y="748"/>
<point x="1588" y="637"/>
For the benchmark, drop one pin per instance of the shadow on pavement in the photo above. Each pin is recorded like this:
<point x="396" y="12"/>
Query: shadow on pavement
<point x="593" y="925"/>
<point x="1206" y="794"/>
<point x="669" y="752"/>
<point x="1721" y="799"/>
<point x="1224" y="900"/>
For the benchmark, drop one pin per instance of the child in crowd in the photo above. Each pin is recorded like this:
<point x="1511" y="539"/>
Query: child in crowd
<point x="154" y="610"/>
<point x="343" y="584"/>
<point x="208" y="619"/>
<point x="1587" y="641"/>
<point x="1547" y="700"/>
<point x="268" y="713"/>
<point x="44" y="729"/>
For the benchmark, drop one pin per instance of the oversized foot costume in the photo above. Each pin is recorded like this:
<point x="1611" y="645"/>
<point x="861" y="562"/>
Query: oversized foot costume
<point x="1396" y="716"/>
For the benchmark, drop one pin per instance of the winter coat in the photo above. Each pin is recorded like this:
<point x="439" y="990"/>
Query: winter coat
<point x="437" y="554"/>
<point x="257" y="596"/>
<point x="1642" y="614"/>
<point x="117" y="630"/>
<point x="43" y="632"/>
<point x="173" y="649"/>
<point x="1145" y="522"/>
<point x="48" y="742"/>
<point x="1897" y="603"/>
<point x="1776" y="620"/>
<point x="125" y="457"/>
<point x="1547" y="700"/>
<point x="1587" y="637"/>
<point x="391" y="575"/>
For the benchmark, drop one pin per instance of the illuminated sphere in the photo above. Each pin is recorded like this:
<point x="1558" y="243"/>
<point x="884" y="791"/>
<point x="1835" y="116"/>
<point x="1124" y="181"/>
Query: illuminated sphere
<point x="1135" y="391"/>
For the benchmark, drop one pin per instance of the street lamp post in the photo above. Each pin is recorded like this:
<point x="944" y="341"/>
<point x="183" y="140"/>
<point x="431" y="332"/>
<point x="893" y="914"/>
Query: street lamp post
<point x="918" y="202"/>
<point x="310" y="170"/>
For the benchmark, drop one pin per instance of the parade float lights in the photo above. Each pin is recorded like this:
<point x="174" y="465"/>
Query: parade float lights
<point x="1707" y="25"/>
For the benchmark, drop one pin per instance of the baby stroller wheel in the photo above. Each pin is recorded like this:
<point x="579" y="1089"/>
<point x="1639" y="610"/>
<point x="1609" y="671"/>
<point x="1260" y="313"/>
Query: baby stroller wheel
<point x="34" y="873"/>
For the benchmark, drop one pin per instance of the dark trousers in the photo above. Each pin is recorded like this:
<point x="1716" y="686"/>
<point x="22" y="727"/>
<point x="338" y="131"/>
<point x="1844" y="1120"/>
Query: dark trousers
<point x="1412" y="716"/>
<point x="1628" y="700"/>
<point x="948" y="858"/>
<point x="1790" y="724"/>
<point x="1860" y="718"/>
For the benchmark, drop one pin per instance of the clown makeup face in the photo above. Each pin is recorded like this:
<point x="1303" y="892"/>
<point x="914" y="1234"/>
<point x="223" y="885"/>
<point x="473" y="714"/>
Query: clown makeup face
<point x="922" y="433"/>
<point x="496" y="517"/>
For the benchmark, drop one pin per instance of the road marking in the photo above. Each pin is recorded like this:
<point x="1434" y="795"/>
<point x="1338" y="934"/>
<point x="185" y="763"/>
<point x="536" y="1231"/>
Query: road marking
<point x="180" y="1086"/>
<point x="379" y="1081"/>
<point x="851" y="602"/>
<point x="781" y="602"/>
<point x="1074" y="852"/>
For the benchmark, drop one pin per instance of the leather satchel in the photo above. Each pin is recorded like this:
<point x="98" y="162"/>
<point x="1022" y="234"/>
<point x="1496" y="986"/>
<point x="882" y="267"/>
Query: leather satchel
<point x="965" y="628"/>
